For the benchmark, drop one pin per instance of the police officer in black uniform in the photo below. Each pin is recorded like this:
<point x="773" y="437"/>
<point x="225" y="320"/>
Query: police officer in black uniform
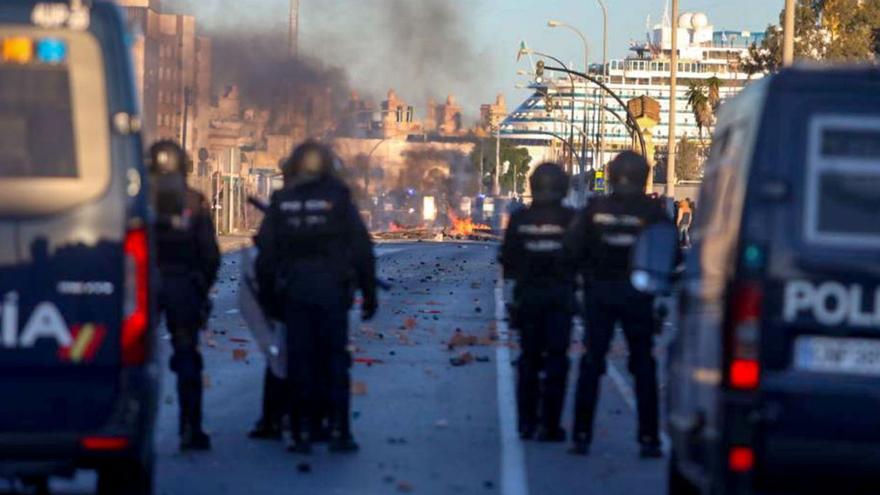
<point x="188" y="260"/>
<point x="533" y="256"/>
<point x="600" y="241"/>
<point x="315" y="251"/>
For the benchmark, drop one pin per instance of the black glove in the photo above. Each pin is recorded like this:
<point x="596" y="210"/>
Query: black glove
<point x="369" y="307"/>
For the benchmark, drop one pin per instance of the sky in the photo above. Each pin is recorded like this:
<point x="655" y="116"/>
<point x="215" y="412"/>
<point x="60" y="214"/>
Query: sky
<point x="467" y="48"/>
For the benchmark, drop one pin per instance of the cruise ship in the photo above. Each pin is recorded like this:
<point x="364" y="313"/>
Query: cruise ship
<point x="703" y="53"/>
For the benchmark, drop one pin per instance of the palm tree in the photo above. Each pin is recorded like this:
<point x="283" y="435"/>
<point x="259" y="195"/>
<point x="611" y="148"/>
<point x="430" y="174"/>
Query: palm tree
<point x="714" y="86"/>
<point x="699" y="103"/>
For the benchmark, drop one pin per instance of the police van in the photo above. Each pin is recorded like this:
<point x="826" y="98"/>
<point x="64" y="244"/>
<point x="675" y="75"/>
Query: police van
<point x="79" y="382"/>
<point x="775" y="371"/>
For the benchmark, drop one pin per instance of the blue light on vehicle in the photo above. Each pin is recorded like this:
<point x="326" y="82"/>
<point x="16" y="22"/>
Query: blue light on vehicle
<point x="51" y="51"/>
<point x="753" y="256"/>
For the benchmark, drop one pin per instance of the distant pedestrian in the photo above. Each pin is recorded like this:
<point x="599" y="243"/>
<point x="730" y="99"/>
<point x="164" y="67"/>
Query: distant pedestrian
<point x="533" y="257"/>
<point x="685" y="218"/>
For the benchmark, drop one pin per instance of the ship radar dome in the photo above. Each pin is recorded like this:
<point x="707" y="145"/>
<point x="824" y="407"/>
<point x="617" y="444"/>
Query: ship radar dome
<point x="700" y="20"/>
<point x="685" y="21"/>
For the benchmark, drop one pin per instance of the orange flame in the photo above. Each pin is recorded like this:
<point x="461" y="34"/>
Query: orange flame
<point x="464" y="226"/>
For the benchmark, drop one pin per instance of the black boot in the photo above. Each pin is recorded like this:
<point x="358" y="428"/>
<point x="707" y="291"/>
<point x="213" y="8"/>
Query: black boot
<point x="196" y="440"/>
<point x="265" y="430"/>
<point x="551" y="434"/>
<point x="650" y="449"/>
<point x="342" y="442"/>
<point x="581" y="445"/>
<point x="300" y="444"/>
<point x="526" y="432"/>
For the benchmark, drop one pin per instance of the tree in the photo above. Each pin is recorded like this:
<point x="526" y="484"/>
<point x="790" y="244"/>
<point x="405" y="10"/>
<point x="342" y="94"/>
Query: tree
<point x="833" y="30"/>
<point x="700" y="105"/>
<point x="713" y="85"/>
<point x="688" y="165"/>
<point x="518" y="157"/>
<point x="850" y="26"/>
<point x="518" y="171"/>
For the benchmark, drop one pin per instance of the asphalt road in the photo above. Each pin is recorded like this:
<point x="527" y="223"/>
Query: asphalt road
<point x="424" y="425"/>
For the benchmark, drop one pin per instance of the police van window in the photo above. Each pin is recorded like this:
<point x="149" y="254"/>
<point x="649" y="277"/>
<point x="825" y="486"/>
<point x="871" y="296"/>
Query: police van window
<point x="36" y="127"/>
<point x="843" y="181"/>
<point x="54" y="121"/>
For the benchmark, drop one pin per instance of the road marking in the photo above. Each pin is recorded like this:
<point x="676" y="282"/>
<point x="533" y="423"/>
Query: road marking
<point x="514" y="478"/>
<point x="626" y="392"/>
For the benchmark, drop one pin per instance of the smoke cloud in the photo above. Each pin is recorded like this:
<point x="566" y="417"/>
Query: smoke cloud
<point x="422" y="48"/>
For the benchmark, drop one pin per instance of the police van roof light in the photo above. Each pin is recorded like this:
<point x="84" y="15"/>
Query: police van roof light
<point x="51" y="51"/>
<point x="18" y="50"/>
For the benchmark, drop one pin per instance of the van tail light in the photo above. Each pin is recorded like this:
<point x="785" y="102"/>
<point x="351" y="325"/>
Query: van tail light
<point x="741" y="459"/>
<point x="744" y="318"/>
<point x="105" y="444"/>
<point x="136" y="316"/>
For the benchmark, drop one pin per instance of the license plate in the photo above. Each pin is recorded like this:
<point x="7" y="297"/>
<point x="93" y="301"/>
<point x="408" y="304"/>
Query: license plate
<point x="837" y="355"/>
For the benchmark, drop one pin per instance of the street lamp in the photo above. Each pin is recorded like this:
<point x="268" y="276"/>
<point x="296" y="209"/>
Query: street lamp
<point x="540" y="71"/>
<point x="604" y="79"/>
<point x="580" y="34"/>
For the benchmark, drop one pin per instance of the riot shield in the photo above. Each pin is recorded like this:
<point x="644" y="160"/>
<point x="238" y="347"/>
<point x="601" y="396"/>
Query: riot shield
<point x="268" y="333"/>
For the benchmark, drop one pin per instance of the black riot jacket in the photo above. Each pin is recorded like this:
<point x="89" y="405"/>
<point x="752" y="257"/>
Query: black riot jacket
<point x="532" y="253"/>
<point x="602" y="236"/>
<point x="313" y="234"/>
<point x="187" y="243"/>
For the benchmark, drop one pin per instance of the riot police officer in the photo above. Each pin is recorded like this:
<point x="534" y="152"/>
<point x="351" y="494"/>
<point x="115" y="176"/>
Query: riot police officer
<point x="188" y="260"/>
<point x="315" y="251"/>
<point x="600" y="241"/>
<point x="533" y="257"/>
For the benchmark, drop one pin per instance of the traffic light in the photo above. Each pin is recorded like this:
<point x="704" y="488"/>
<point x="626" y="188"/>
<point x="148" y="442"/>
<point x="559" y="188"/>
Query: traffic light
<point x="539" y="72"/>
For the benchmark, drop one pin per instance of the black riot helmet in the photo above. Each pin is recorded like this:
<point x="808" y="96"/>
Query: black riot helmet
<point x="167" y="157"/>
<point x="168" y="165"/>
<point x="549" y="183"/>
<point x="628" y="174"/>
<point x="310" y="161"/>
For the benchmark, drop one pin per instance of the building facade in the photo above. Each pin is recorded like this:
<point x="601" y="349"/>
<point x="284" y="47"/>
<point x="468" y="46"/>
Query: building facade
<point x="172" y="65"/>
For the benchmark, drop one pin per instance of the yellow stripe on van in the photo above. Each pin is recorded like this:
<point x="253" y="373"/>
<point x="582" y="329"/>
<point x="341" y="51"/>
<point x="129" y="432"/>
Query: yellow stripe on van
<point x="81" y="345"/>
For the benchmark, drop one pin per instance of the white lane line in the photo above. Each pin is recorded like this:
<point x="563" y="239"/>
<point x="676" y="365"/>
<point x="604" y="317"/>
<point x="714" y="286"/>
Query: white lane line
<point x="514" y="478"/>
<point x="626" y="392"/>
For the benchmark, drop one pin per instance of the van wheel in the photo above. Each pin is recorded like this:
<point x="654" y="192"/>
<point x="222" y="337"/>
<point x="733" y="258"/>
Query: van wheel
<point x="133" y="477"/>
<point x="677" y="483"/>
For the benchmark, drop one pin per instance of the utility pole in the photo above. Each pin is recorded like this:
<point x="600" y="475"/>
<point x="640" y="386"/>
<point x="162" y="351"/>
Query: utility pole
<point x="788" y="34"/>
<point x="673" y="104"/>
<point x="604" y="80"/>
<point x="496" y="185"/>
